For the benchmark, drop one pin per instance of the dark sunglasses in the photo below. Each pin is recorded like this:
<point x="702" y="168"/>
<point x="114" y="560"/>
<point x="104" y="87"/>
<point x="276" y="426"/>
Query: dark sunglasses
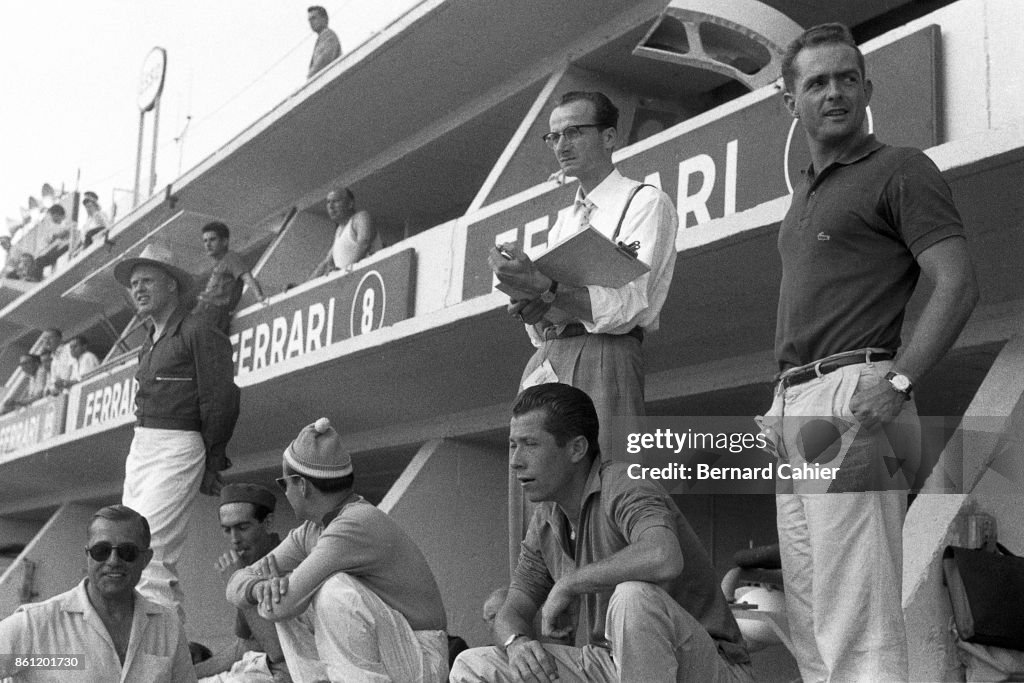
<point x="128" y="552"/>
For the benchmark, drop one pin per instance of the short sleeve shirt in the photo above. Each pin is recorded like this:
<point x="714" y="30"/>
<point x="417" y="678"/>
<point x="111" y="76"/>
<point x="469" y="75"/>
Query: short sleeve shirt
<point x="224" y="287"/>
<point x="617" y="510"/>
<point x="849" y="245"/>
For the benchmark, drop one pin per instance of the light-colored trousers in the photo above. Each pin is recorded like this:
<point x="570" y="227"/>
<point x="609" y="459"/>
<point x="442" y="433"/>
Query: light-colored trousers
<point x="652" y="639"/>
<point x="348" y="634"/>
<point x="842" y="552"/>
<point x="161" y="479"/>
<point x="610" y="369"/>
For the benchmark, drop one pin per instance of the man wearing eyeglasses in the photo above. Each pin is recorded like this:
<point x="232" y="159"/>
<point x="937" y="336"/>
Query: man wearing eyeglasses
<point x="352" y="595"/>
<point x="590" y="336"/>
<point x="102" y="629"/>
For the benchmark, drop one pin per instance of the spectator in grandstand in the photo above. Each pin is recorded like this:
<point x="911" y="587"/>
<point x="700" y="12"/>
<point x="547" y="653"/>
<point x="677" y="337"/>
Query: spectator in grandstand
<point x="591" y="336"/>
<point x="97" y="221"/>
<point x="33" y="388"/>
<point x="328" y="47"/>
<point x="10" y="256"/>
<point x="50" y="342"/>
<point x="615" y="552"/>
<point x="63" y="227"/>
<point x="186" y="405"/>
<point x="223" y="289"/>
<point x="354" y="235"/>
<point x="46" y="367"/>
<point x="352" y="595"/>
<point x="25" y="269"/>
<point x="864" y="223"/>
<point x="80" y="362"/>
<point x="246" y="517"/>
<point x="112" y="631"/>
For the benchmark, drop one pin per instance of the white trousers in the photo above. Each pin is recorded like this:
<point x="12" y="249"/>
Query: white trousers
<point x="842" y="551"/>
<point x="161" y="479"/>
<point x="348" y="634"/>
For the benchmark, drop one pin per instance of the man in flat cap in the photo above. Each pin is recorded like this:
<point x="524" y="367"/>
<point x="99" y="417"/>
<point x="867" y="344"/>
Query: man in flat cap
<point x="352" y="596"/>
<point x="186" y="406"/>
<point x="246" y="518"/>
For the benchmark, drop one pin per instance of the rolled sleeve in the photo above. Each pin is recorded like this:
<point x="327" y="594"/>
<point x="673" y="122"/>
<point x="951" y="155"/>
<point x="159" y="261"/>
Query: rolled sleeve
<point x="531" y="575"/>
<point x="288" y="554"/>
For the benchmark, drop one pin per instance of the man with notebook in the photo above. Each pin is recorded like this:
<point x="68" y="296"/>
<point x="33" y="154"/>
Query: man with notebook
<point x="590" y="335"/>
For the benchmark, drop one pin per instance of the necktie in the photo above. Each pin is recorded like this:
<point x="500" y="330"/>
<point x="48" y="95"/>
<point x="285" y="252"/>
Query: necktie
<point x="584" y="209"/>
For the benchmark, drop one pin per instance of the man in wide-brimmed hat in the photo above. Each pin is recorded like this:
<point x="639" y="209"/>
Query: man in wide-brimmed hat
<point x="186" y="405"/>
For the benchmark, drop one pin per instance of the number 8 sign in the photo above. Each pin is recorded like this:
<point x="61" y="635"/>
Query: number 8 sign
<point x="368" y="304"/>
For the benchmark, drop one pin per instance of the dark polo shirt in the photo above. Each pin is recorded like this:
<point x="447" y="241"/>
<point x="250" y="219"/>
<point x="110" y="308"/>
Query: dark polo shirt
<point x="849" y="245"/>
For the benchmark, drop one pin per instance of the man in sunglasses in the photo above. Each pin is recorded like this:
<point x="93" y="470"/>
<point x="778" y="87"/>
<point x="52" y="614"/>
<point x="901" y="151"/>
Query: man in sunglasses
<point x="352" y="595"/>
<point x="590" y="336"/>
<point x="102" y="629"/>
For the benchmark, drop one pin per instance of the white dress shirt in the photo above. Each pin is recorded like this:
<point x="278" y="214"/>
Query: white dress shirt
<point x="651" y="220"/>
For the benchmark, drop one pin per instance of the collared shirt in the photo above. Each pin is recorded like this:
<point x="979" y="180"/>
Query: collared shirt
<point x="616" y="511"/>
<point x="365" y="543"/>
<point x="325" y="51"/>
<point x="849" y="245"/>
<point x="186" y="381"/>
<point x="652" y="221"/>
<point x="68" y="624"/>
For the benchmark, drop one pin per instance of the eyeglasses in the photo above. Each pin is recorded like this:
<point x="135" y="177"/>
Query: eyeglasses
<point x="570" y="133"/>
<point x="128" y="552"/>
<point x="283" y="481"/>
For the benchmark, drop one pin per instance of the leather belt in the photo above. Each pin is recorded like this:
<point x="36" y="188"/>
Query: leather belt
<point x="806" y="373"/>
<point x="578" y="330"/>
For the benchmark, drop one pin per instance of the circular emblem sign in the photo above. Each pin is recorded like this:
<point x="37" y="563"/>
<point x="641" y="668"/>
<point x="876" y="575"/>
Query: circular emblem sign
<point x="151" y="82"/>
<point x="796" y="157"/>
<point x="368" y="304"/>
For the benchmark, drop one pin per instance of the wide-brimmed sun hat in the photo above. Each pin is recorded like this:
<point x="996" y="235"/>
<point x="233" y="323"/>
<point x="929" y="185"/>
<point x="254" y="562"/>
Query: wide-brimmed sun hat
<point x="158" y="255"/>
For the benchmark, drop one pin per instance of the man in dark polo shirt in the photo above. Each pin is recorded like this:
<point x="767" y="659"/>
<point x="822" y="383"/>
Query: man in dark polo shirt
<point x="607" y="560"/>
<point x="865" y="223"/>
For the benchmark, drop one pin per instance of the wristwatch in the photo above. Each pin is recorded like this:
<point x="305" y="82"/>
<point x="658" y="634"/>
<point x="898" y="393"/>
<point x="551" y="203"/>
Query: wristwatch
<point x="900" y="383"/>
<point x="548" y="296"/>
<point x="511" y="639"/>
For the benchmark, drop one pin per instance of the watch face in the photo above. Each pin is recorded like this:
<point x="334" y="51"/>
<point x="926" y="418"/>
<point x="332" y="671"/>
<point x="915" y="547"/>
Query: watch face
<point x="900" y="383"/>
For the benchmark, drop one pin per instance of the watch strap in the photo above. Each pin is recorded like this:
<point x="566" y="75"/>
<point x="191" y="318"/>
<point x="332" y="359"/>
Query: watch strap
<point x="511" y="639"/>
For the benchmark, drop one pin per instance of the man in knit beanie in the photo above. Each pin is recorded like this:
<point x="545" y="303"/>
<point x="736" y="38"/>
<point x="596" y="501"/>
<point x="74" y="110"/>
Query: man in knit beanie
<point x="352" y="595"/>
